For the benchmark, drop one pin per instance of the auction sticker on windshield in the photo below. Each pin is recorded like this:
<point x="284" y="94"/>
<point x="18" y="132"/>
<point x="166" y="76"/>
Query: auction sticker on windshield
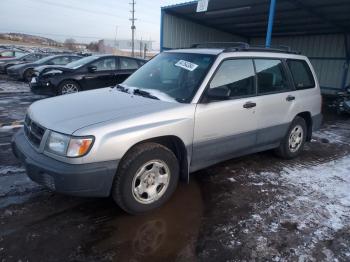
<point x="186" y="65"/>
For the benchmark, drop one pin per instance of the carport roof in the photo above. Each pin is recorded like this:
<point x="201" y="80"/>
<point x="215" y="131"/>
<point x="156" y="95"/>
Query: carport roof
<point x="249" y="18"/>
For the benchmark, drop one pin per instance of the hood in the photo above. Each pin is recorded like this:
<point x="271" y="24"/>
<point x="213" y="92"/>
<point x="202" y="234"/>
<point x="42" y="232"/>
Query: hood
<point x="47" y="69"/>
<point x="68" y="113"/>
<point x="21" y="66"/>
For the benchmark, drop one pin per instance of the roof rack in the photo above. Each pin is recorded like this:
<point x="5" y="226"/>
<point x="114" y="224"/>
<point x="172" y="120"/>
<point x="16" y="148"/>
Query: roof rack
<point x="221" y="45"/>
<point x="242" y="46"/>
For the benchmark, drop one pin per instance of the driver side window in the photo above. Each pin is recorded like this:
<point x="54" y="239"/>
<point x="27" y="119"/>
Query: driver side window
<point x="238" y="76"/>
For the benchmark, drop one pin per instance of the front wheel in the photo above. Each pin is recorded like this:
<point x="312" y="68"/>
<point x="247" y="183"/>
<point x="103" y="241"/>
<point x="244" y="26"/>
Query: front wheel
<point x="146" y="178"/>
<point x="293" y="143"/>
<point x="68" y="87"/>
<point x="28" y="74"/>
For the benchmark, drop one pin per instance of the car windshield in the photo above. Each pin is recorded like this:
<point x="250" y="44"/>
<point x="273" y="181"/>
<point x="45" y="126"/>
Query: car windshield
<point x="175" y="75"/>
<point x="23" y="55"/>
<point x="78" y="63"/>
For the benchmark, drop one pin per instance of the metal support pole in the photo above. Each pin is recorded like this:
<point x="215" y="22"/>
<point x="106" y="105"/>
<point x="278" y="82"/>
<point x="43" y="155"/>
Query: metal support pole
<point x="270" y="24"/>
<point x="347" y="62"/>
<point x="161" y="30"/>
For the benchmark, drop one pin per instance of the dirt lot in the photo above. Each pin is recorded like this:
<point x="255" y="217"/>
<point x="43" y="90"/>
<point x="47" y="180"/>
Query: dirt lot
<point x="255" y="208"/>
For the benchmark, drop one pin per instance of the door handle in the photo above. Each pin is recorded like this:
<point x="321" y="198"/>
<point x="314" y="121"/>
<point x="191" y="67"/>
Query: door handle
<point x="249" y="105"/>
<point x="290" y="98"/>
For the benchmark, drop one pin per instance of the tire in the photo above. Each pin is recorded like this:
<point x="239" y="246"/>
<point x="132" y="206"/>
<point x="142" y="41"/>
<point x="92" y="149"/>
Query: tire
<point x="290" y="147"/>
<point x="130" y="176"/>
<point x="27" y="75"/>
<point x="68" y="87"/>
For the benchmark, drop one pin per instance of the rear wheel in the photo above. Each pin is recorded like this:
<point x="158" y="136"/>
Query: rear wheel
<point x="68" y="87"/>
<point x="293" y="143"/>
<point x="146" y="178"/>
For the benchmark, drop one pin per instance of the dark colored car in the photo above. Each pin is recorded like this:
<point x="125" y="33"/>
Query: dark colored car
<point x="25" y="71"/>
<point x="88" y="73"/>
<point x="11" y="53"/>
<point x="25" y="58"/>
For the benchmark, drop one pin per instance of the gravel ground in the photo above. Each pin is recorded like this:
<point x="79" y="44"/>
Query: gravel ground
<point x="254" y="208"/>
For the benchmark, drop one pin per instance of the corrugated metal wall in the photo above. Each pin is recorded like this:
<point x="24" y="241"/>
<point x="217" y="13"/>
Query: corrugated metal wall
<point x="318" y="48"/>
<point x="179" y="33"/>
<point x="327" y="52"/>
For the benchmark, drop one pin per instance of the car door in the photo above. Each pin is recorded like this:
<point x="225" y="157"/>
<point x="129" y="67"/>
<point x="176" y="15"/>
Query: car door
<point x="226" y="128"/>
<point x="101" y="73"/>
<point x="275" y="99"/>
<point x="127" y="66"/>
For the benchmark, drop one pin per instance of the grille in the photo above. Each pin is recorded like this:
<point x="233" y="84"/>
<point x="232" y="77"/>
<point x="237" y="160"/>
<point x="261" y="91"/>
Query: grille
<point x="33" y="131"/>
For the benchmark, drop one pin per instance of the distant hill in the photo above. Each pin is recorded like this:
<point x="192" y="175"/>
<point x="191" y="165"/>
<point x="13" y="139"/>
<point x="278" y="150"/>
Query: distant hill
<point x="26" y="38"/>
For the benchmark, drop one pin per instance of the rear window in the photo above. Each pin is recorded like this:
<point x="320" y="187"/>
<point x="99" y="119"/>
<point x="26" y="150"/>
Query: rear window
<point x="301" y="74"/>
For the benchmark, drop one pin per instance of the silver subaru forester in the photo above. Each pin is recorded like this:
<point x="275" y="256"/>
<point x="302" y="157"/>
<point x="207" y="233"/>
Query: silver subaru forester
<point x="182" y="111"/>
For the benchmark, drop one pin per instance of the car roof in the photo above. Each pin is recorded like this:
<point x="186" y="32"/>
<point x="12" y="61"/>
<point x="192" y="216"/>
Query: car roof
<point x="204" y="51"/>
<point x="245" y="53"/>
<point x="110" y="55"/>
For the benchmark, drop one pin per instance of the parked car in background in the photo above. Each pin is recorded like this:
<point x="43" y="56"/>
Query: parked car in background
<point x="11" y="53"/>
<point x="25" y="71"/>
<point x="182" y="111"/>
<point x="25" y="58"/>
<point x="88" y="73"/>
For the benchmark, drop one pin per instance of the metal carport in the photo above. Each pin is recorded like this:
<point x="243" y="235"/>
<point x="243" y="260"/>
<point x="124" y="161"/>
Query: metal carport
<point x="318" y="28"/>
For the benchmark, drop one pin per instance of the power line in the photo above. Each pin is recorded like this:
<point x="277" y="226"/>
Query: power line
<point x="89" y="10"/>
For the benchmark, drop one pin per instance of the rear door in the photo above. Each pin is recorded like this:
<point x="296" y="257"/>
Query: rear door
<point x="127" y="66"/>
<point x="276" y="100"/>
<point x="103" y="76"/>
<point x="226" y="128"/>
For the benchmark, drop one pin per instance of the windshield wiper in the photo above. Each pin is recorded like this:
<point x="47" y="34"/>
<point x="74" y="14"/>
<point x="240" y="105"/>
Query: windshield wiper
<point x="122" y="88"/>
<point x="144" y="94"/>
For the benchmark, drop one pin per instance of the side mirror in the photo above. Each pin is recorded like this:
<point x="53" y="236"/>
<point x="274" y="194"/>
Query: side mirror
<point x="219" y="93"/>
<point x="92" y="69"/>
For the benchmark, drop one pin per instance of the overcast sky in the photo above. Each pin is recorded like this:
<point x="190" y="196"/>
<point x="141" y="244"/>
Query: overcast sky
<point x="84" y="20"/>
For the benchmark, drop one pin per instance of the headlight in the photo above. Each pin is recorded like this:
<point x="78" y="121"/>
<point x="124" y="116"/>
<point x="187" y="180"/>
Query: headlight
<point x="65" y="145"/>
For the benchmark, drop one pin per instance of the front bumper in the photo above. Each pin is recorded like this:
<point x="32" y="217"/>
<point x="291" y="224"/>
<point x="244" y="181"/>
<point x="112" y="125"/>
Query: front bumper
<point x="91" y="180"/>
<point x="2" y="69"/>
<point x="14" y="74"/>
<point x="41" y="88"/>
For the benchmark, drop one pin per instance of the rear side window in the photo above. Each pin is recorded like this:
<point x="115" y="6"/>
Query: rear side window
<point x="128" y="63"/>
<point x="271" y="76"/>
<point x="62" y="60"/>
<point x="301" y="74"/>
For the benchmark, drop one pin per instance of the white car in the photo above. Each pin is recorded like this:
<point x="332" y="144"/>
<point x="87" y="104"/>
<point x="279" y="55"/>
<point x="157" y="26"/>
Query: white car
<point x="182" y="111"/>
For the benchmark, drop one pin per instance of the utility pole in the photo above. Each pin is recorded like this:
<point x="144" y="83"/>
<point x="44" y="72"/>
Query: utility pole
<point x="115" y="39"/>
<point x="141" y="47"/>
<point x="133" y="27"/>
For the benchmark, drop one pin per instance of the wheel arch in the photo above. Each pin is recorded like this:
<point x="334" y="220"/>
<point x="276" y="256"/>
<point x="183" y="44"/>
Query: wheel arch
<point x="26" y="70"/>
<point x="308" y="120"/>
<point x="177" y="146"/>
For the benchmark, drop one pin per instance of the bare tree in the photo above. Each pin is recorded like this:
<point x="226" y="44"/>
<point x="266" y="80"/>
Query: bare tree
<point x="93" y="46"/>
<point x="70" y="44"/>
